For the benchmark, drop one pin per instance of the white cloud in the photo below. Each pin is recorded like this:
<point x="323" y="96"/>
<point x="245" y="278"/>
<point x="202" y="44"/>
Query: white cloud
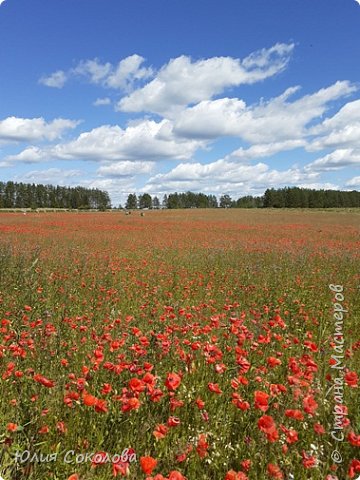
<point x="93" y="70"/>
<point x="182" y="82"/>
<point x="28" y="155"/>
<point x="143" y="141"/>
<point x="54" y="176"/>
<point x="102" y="101"/>
<point x="15" y="129"/>
<point x="353" y="182"/>
<point x="341" y="130"/>
<point x="276" y="120"/>
<point x="2" y="1"/>
<point x="125" y="169"/>
<point x="122" y="76"/>
<point x="127" y="72"/>
<point x="262" y="150"/>
<point x="336" y="160"/>
<point x="223" y="176"/>
<point x="319" y="186"/>
<point x="55" y="80"/>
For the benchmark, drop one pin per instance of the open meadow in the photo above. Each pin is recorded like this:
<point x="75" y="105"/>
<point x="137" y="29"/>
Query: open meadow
<point x="197" y="344"/>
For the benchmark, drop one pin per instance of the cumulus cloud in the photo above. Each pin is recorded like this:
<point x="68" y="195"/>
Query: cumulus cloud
<point x="144" y="141"/>
<point x="335" y="160"/>
<point x="122" y="76"/>
<point x="341" y="130"/>
<point x="127" y="72"/>
<point x="262" y="150"/>
<point x="49" y="176"/>
<point x="93" y="70"/>
<point x="353" y="182"/>
<point x="102" y="101"/>
<point x="55" y="80"/>
<point x="275" y="120"/>
<point x="30" y="154"/>
<point x="125" y="169"/>
<point x="15" y="129"/>
<point x="182" y="81"/>
<point x="223" y="176"/>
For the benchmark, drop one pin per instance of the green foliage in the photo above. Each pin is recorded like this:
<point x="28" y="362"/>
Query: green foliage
<point x="26" y="195"/>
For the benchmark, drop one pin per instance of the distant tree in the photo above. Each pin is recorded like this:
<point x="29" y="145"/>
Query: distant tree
<point x="226" y="201"/>
<point x="173" y="200"/>
<point x="145" y="201"/>
<point x="131" y="203"/>
<point x="156" y="202"/>
<point x="213" y="203"/>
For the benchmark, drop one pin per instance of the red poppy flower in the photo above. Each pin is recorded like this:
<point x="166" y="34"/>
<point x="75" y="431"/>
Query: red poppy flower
<point x="351" y="378"/>
<point x="354" y="468"/>
<point x="11" y="427"/>
<point x="173" y="421"/>
<point x="319" y="429"/>
<point x="136" y="385"/>
<point x="274" y="471"/>
<point x="310" y="405"/>
<point x="202" y="446"/>
<point x="44" y="381"/>
<point x="148" y="464"/>
<point x="214" y="387"/>
<point x="160" y="431"/>
<point x="309" y="461"/>
<point x="200" y="403"/>
<point x="74" y="476"/>
<point x="172" y="381"/>
<point x="261" y="400"/>
<point x="175" y="475"/>
<point x="267" y="425"/>
<point x="354" y="439"/>
<point x="232" y="475"/>
<point x="295" y="414"/>
<point x="89" y="400"/>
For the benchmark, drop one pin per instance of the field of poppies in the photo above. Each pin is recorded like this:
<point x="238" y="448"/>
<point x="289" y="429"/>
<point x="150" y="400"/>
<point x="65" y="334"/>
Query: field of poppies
<point x="197" y="344"/>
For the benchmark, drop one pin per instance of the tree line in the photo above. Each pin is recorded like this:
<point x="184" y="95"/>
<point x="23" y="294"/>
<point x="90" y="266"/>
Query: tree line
<point x="26" y="195"/>
<point x="288" y="197"/>
<point x="173" y="200"/>
<point x="294" y="197"/>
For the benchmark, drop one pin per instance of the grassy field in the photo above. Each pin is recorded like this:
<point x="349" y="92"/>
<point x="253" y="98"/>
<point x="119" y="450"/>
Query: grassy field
<point x="208" y="343"/>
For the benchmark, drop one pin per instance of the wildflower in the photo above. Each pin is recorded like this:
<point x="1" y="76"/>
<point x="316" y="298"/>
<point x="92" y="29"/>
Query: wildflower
<point x="173" y="421"/>
<point x="351" y="379"/>
<point x="261" y="401"/>
<point x="232" y="475"/>
<point x="267" y="425"/>
<point x="160" y="431"/>
<point x="44" y="381"/>
<point x="202" y="446"/>
<point x="148" y="464"/>
<point x="11" y="427"/>
<point x="274" y="471"/>
<point x="172" y="381"/>
<point x="214" y="387"/>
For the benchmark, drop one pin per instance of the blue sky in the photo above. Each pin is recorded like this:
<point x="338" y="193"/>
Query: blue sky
<point x="173" y="95"/>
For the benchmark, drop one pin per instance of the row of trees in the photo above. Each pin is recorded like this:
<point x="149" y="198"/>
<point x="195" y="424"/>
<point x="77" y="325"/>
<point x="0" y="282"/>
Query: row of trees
<point x="173" y="200"/>
<point x="295" y="197"/>
<point x="288" y="197"/>
<point x="26" y="195"/>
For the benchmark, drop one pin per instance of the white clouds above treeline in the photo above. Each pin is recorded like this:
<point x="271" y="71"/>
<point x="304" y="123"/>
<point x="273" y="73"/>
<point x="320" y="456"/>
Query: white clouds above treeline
<point x="184" y="108"/>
